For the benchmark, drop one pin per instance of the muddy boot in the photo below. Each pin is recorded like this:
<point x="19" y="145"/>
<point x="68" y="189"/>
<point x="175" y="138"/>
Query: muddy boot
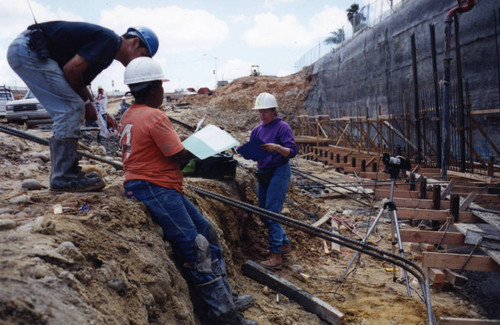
<point x="243" y="302"/>
<point x="66" y="175"/>
<point x="274" y="261"/>
<point x="233" y="318"/>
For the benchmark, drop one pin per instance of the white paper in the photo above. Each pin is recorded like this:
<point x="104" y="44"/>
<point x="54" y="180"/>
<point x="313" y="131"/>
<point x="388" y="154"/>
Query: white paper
<point x="209" y="141"/>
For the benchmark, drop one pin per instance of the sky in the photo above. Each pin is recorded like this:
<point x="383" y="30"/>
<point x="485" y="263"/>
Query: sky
<point x="201" y="41"/>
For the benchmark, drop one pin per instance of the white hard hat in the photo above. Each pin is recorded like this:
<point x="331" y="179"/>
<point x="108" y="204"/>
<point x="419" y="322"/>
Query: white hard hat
<point x="143" y="69"/>
<point x="123" y="98"/>
<point x="265" y="101"/>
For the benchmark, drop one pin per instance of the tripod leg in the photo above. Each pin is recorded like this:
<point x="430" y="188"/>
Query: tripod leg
<point x="363" y="241"/>
<point x="396" y="226"/>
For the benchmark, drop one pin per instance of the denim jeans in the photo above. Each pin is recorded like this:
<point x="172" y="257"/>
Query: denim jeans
<point x="181" y="223"/>
<point x="47" y="82"/>
<point x="272" y="198"/>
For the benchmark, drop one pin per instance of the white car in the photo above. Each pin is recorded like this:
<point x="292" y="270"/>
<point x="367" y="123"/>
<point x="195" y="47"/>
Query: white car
<point x="28" y="108"/>
<point x="5" y="96"/>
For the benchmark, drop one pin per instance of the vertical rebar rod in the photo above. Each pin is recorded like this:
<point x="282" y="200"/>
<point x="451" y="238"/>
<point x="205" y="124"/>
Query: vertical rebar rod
<point x="436" y="94"/>
<point x="497" y="50"/>
<point x="416" y="100"/>
<point x="461" y="108"/>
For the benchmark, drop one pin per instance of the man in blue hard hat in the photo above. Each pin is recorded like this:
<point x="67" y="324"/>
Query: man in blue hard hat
<point x="57" y="60"/>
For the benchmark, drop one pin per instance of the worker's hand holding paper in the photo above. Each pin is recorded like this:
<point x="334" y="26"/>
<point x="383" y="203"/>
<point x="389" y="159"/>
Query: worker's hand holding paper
<point x="209" y="141"/>
<point x="252" y="150"/>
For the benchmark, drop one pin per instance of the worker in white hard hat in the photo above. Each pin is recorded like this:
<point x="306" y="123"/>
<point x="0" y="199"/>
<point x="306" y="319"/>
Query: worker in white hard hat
<point x="153" y="157"/>
<point x="273" y="173"/>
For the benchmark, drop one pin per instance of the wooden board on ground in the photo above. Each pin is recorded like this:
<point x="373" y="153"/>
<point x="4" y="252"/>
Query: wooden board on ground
<point x="311" y="303"/>
<point x="457" y="261"/>
<point x="467" y="321"/>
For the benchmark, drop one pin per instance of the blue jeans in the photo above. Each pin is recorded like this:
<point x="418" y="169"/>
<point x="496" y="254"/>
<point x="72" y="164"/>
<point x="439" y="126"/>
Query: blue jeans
<point x="47" y="82"/>
<point x="181" y="223"/>
<point x="272" y="198"/>
<point x="180" y="220"/>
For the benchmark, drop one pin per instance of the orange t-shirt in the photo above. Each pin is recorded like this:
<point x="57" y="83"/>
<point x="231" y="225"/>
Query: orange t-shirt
<point x="147" y="140"/>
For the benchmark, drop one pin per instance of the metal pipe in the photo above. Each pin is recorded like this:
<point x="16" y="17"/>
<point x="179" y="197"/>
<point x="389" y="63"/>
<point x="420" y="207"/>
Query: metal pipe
<point x="446" y="96"/>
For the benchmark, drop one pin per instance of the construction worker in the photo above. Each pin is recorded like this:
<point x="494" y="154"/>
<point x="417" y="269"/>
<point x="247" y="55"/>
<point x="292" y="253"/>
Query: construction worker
<point x="273" y="173"/>
<point x="106" y="122"/>
<point x="153" y="158"/>
<point x="57" y="60"/>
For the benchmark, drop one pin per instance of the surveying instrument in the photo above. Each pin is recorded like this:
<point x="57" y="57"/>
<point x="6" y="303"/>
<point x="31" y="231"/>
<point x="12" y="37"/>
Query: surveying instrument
<point x="394" y="164"/>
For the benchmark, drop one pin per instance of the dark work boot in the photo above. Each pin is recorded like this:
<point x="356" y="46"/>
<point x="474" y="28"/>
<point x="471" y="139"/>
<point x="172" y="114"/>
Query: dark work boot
<point x="243" y="302"/>
<point x="66" y="175"/>
<point x="233" y="318"/>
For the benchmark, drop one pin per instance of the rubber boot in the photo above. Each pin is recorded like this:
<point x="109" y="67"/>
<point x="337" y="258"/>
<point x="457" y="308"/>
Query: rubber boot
<point x="66" y="175"/>
<point x="241" y="303"/>
<point x="273" y="262"/>
<point x="221" y="309"/>
<point x="233" y="318"/>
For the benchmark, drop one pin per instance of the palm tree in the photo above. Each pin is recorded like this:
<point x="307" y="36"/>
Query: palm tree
<point x="337" y="37"/>
<point x="355" y="17"/>
<point x="352" y="11"/>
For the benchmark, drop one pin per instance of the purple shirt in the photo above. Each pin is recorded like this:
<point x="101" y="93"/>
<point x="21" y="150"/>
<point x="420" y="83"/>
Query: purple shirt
<point x="276" y="131"/>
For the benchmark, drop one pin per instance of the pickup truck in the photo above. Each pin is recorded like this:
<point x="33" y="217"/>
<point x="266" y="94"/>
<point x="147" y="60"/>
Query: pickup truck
<point x="26" y="109"/>
<point x="5" y="96"/>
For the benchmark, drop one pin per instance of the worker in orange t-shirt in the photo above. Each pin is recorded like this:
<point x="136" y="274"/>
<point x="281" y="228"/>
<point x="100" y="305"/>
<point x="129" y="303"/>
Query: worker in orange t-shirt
<point x="153" y="158"/>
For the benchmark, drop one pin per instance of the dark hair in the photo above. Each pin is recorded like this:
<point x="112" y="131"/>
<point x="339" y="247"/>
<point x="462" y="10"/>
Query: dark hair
<point x="129" y="36"/>
<point x="140" y="90"/>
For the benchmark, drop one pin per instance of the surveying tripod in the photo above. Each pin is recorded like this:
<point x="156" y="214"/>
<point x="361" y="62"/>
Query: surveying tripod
<point x="391" y="207"/>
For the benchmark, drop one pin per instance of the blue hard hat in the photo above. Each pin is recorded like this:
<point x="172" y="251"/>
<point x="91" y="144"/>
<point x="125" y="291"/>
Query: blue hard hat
<point x="147" y="36"/>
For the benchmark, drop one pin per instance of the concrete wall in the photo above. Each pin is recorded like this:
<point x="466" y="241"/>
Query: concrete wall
<point x="375" y="67"/>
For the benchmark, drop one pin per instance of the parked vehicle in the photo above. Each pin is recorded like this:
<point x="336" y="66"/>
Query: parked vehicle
<point x="5" y="96"/>
<point x="26" y="109"/>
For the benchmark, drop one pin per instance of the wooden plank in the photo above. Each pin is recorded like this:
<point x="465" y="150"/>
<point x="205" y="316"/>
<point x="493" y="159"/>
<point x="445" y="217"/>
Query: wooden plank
<point x="467" y="321"/>
<point x="454" y="278"/>
<point x="321" y="221"/>
<point x="335" y="229"/>
<point x="432" y="237"/>
<point x="419" y="204"/>
<point x="447" y="190"/>
<point x="483" y="198"/>
<point x="405" y="213"/>
<point x="382" y="193"/>
<point x="468" y="200"/>
<point x="311" y="303"/>
<point x="456" y="261"/>
<point x="436" y="276"/>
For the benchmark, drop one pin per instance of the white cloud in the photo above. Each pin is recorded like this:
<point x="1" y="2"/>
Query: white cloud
<point x="16" y="15"/>
<point x="271" y="4"/>
<point x="237" y="18"/>
<point x="326" y="21"/>
<point x="180" y="30"/>
<point x="270" y="30"/>
<point x="234" y="68"/>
